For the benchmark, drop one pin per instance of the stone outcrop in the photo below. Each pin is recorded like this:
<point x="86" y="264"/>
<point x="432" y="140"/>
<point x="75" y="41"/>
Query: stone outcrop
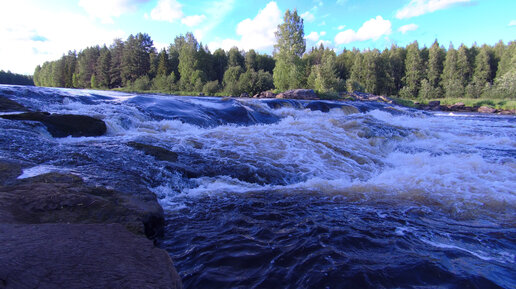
<point x="58" y="232"/>
<point x="486" y="109"/>
<point x="362" y="96"/>
<point x="265" y="94"/>
<point x="81" y="256"/>
<point x="307" y="94"/>
<point x="63" y="125"/>
<point x="7" y="105"/>
<point x="157" y="152"/>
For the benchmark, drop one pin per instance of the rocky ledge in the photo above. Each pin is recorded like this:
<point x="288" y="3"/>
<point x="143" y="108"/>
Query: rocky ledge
<point x="58" y="232"/>
<point x="461" y="107"/>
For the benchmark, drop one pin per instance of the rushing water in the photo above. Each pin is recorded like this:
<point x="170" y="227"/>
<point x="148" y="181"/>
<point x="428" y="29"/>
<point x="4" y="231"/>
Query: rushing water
<point x="299" y="194"/>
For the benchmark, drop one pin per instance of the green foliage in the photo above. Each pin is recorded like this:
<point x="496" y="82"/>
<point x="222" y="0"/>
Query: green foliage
<point x="14" y="78"/>
<point x="323" y="76"/>
<point x="211" y="87"/>
<point x="231" y="77"/>
<point x="290" y="46"/>
<point x="413" y="70"/>
<point x="141" y="84"/>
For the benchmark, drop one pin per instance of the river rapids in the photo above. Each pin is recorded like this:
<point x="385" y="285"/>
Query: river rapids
<point x="272" y="193"/>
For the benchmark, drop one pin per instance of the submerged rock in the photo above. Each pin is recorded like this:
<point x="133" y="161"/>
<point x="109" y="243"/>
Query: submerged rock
<point x="81" y="256"/>
<point x="298" y="94"/>
<point x="157" y="152"/>
<point x="63" y="125"/>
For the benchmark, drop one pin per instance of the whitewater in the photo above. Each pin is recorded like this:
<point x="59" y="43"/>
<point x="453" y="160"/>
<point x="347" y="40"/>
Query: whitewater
<point x="272" y="193"/>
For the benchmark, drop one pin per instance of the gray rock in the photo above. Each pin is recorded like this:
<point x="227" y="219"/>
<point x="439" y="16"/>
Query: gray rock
<point x="298" y="94"/>
<point x="63" y="125"/>
<point x="158" y="152"/>
<point x="244" y="94"/>
<point x="10" y="105"/>
<point x="81" y="256"/>
<point x="265" y="94"/>
<point x="486" y="109"/>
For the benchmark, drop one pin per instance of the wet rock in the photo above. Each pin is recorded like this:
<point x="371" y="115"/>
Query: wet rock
<point x="63" y="125"/>
<point x="434" y="103"/>
<point x="298" y="94"/>
<point x="65" y="198"/>
<point x="81" y="256"/>
<point x="157" y="152"/>
<point x="9" y="170"/>
<point x="486" y="109"/>
<point x="201" y="94"/>
<point x="7" y="105"/>
<point x="327" y="106"/>
<point x="245" y="94"/>
<point x="459" y="106"/>
<point x="265" y="94"/>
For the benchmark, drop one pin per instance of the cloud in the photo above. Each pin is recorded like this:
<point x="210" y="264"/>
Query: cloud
<point x="36" y="34"/>
<point x="341" y="2"/>
<point x="308" y="16"/>
<point x="341" y="27"/>
<point x="313" y="36"/>
<point x="420" y="7"/>
<point x="167" y="10"/>
<point x="372" y="29"/>
<point x="406" y="28"/>
<point x="256" y="33"/>
<point x="512" y="23"/>
<point x="105" y="10"/>
<point x="215" y="13"/>
<point x="193" y="20"/>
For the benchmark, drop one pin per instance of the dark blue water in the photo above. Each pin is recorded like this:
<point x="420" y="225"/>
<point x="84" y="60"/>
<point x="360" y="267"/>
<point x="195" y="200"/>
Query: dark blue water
<point x="298" y="194"/>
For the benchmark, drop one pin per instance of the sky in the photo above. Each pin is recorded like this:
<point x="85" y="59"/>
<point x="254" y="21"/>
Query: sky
<point x="35" y="31"/>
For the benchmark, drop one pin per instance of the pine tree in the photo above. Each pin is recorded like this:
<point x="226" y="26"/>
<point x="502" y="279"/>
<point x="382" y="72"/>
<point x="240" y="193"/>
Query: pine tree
<point x="163" y="64"/>
<point x="102" y="70"/>
<point x="290" y="46"/>
<point x="115" y="71"/>
<point x="451" y="80"/>
<point x="482" y="73"/>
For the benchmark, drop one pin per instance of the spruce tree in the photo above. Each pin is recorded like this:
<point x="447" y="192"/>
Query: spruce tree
<point x="413" y="71"/>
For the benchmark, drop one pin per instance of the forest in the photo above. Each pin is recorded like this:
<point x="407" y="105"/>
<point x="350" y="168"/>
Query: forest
<point x="188" y="67"/>
<point x="7" y="77"/>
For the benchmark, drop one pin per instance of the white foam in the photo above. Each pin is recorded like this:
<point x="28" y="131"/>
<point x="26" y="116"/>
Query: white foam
<point x="40" y="170"/>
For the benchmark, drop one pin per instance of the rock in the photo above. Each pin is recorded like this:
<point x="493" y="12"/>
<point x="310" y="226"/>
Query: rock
<point x="8" y="105"/>
<point x="63" y="125"/>
<point x="245" y="94"/>
<point x="157" y="152"/>
<point x="486" y="109"/>
<point x="81" y="256"/>
<point x="459" y="106"/>
<point x="434" y="103"/>
<point x="298" y="94"/>
<point x="265" y="94"/>
<point x="201" y="94"/>
<point x="9" y="171"/>
<point x="65" y="198"/>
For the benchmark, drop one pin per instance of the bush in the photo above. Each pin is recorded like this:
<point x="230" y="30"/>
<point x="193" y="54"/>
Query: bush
<point x="211" y="87"/>
<point x="141" y="84"/>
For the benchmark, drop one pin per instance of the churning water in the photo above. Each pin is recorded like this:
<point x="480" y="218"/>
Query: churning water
<point x="299" y="194"/>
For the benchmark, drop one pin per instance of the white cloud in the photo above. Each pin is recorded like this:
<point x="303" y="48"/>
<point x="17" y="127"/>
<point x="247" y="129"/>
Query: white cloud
<point x="322" y="33"/>
<point x="313" y="36"/>
<point x="512" y="23"/>
<point x="341" y="2"/>
<point x="105" y="10"/>
<point x="406" y="28"/>
<point x="193" y="20"/>
<point x="371" y="29"/>
<point x="167" y="10"/>
<point x="420" y="7"/>
<point x="308" y="17"/>
<point x="36" y="34"/>
<point x="257" y="33"/>
<point x="341" y="27"/>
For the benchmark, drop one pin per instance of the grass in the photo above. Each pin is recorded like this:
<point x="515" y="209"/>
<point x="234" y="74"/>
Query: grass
<point x="491" y="102"/>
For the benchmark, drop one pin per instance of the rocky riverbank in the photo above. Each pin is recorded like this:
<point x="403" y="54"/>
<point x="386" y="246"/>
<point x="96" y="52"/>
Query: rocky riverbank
<point x="58" y="231"/>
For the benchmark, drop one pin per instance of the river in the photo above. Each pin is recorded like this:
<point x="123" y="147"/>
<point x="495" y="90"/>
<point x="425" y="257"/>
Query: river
<point x="270" y="193"/>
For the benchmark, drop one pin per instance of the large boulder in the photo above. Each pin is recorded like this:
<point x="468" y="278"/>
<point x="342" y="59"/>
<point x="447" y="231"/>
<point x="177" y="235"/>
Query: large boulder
<point x="63" y="125"/>
<point x="298" y="94"/>
<point x="486" y="109"/>
<point x="7" y="105"/>
<point x="81" y="256"/>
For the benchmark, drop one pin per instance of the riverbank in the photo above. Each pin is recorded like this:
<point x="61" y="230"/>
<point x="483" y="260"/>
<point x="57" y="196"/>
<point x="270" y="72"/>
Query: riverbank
<point x="57" y="230"/>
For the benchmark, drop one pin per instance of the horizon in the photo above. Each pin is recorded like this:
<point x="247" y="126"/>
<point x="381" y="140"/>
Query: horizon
<point x="340" y="24"/>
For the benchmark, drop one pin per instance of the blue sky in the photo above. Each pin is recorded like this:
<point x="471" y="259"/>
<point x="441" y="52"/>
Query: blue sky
<point x="34" y="31"/>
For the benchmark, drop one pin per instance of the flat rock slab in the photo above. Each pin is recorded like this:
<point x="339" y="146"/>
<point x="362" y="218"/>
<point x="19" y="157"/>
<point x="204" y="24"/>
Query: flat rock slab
<point x="81" y="256"/>
<point x="63" y="125"/>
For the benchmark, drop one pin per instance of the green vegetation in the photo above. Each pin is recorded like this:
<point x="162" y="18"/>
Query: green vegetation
<point x="478" y="74"/>
<point x="14" y="78"/>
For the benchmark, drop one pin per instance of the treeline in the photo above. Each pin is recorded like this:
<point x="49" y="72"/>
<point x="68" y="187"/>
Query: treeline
<point x="15" y="78"/>
<point x="186" y="65"/>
